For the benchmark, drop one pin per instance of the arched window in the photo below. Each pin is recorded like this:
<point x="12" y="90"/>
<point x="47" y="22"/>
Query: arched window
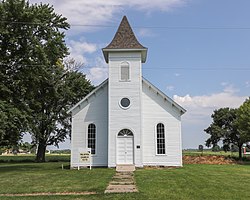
<point x="125" y="132"/>
<point x="160" y="131"/>
<point x="125" y="71"/>
<point x="92" y="137"/>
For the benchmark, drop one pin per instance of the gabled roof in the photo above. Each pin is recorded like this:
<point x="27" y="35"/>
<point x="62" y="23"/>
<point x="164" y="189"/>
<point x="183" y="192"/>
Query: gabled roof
<point x="89" y="95"/>
<point x="125" y="39"/>
<point x="158" y="91"/>
<point x="173" y="103"/>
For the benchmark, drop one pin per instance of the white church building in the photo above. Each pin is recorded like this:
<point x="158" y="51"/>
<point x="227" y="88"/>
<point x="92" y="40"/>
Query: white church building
<point x="126" y="120"/>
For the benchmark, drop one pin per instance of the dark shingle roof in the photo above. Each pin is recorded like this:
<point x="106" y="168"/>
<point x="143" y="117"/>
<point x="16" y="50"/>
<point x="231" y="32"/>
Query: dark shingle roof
<point x="124" y="37"/>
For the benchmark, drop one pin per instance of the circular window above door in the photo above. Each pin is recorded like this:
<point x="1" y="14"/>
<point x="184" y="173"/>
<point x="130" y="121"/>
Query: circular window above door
<point x="125" y="103"/>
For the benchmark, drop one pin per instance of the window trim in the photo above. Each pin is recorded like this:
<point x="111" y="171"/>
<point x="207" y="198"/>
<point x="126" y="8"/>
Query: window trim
<point x="156" y="150"/>
<point x="87" y="138"/>
<point x="120" y="72"/>
<point x="127" y="129"/>
<point x="125" y="108"/>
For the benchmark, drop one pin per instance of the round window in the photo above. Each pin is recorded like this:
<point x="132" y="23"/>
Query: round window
<point x="125" y="102"/>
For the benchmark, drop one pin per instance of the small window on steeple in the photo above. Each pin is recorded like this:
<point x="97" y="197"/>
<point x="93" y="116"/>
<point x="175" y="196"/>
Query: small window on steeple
<point x="125" y="71"/>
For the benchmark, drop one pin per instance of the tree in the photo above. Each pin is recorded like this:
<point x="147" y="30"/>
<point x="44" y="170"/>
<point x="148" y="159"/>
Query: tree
<point x="30" y="41"/>
<point x="50" y="123"/>
<point x="243" y="121"/>
<point x="224" y="128"/>
<point x="232" y="126"/>
<point x="12" y="114"/>
<point x="216" y="148"/>
<point x="36" y="88"/>
<point x="13" y="122"/>
<point x="200" y="148"/>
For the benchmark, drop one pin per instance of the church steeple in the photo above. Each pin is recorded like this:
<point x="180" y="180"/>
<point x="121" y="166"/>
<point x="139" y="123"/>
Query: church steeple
<point x="125" y="40"/>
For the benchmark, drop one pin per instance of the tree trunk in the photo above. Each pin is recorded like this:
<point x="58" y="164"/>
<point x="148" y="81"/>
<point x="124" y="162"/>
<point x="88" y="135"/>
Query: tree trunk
<point x="40" y="155"/>
<point x="240" y="151"/>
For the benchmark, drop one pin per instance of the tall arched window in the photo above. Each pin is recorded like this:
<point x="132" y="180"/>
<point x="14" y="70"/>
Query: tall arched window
<point x="160" y="131"/>
<point x="92" y="137"/>
<point x="125" y="71"/>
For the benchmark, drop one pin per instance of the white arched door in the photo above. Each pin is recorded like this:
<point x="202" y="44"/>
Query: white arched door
<point x="125" y="147"/>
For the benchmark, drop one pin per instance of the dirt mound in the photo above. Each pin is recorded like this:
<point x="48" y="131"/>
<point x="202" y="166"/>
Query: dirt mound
<point x="213" y="160"/>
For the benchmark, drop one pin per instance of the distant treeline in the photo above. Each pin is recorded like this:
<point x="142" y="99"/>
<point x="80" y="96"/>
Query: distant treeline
<point x="63" y="151"/>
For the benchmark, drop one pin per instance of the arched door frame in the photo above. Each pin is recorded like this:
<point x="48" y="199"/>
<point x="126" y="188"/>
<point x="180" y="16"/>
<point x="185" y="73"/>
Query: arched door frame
<point x="125" y="147"/>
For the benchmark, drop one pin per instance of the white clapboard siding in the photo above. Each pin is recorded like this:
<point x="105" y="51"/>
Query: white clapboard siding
<point x="118" y="117"/>
<point x="93" y="110"/>
<point x="156" y="109"/>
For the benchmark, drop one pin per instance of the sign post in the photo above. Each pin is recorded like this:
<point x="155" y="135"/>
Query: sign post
<point x="85" y="157"/>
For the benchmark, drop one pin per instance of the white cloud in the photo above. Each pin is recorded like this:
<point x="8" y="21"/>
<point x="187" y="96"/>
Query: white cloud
<point x="149" y="5"/>
<point x="78" y="49"/>
<point x="200" y="108"/>
<point x="177" y="74"/>
<point x="230" y="89"/>
<point x="97" y="75"/>
<point x="97" y="72"/>
<point x="199" y="111"/>
<point x="84" y="52"/>
<point x="99" y="12"/>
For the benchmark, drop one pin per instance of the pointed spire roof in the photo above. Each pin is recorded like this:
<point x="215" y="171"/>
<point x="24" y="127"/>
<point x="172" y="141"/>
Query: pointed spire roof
<point x="125" y="39"/>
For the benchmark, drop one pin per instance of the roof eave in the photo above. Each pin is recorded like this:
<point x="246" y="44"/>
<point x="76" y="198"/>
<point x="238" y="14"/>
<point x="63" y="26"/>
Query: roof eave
<point x="143" y="53"/>
<point x="89" y="95"/>
<point x="182" y="110"/>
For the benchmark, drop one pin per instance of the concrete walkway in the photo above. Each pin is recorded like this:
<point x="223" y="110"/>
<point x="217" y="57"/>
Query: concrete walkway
<point x="122" y="181"/>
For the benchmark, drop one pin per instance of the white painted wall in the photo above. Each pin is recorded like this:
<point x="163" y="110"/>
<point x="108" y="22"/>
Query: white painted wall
<point x="118" y="117"/>
<point x="94" y="110"/>
<point x="157" y="110"/>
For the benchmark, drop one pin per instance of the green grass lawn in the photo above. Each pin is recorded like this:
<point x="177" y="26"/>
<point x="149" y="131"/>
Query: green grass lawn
<point x="190" y="182"/>
<point x="31" y="158"/>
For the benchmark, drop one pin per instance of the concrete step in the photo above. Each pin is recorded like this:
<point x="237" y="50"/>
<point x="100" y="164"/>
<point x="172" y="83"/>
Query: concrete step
<point x="121" y="191"/>
<point x="125" y="168"/>
<point x="122" y="176"/>
<point x="122" y="183"/>
<point x="121" y="188"/>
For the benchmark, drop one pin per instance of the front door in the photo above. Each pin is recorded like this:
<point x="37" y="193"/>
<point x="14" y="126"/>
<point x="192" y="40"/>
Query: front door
<point x="125" y="150"/>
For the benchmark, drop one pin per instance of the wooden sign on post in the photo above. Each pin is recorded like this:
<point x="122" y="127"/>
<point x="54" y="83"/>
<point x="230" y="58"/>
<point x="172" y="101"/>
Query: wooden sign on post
<point x="85" y="157"/>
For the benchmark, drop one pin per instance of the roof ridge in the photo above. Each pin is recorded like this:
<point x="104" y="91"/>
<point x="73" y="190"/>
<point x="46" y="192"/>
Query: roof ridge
<point x="124" y="37"/>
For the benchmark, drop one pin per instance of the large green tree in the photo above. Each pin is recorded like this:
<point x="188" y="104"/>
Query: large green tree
<point x="36" y="88"/>
<point x="231" y="127"/>
<point x="223" y="129"/>
<point x="243" y="120"/>
<point x="55" y="94"/>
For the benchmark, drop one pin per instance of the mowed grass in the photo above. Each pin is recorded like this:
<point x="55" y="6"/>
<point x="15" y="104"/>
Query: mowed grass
<point x="49" y="177"/>
<point x="190" y="182"/>
<point x="31" y="158"/>
<point x="196" y="182"/>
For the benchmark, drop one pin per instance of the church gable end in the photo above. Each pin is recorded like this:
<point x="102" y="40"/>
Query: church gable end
<point x="126" y="120"/>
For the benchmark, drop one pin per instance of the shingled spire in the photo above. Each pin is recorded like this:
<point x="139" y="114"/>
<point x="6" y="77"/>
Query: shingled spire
<point x="125" y="40"/>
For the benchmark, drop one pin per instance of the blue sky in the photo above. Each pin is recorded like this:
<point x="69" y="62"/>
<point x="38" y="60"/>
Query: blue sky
<point x="198" y="50"/>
